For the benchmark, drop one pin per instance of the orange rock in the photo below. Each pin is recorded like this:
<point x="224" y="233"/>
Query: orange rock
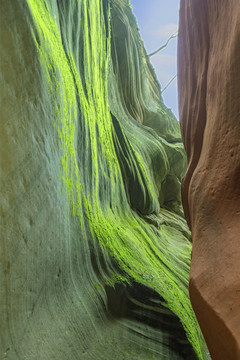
<point x="209" y="107"/>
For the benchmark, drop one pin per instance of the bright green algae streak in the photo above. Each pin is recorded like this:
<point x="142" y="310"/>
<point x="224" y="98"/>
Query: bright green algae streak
<point x="83" y="87"/>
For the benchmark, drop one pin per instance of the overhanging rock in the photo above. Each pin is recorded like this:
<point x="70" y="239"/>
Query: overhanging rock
<point x="95" y="248"/>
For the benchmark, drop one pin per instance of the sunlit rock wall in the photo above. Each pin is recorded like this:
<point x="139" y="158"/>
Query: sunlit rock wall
<point x="95" y="251"/>
<point x="209" y="106"/>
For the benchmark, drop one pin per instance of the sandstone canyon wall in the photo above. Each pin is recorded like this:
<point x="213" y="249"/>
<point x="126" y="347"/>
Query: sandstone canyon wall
<point x="209" y="104"/>
<point x="95" y="250"/>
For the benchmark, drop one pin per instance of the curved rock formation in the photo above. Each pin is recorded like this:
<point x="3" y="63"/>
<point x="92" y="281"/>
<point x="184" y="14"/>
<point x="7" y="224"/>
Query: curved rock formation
<point x="95" y="248"/>
<point x="209" y="103"/>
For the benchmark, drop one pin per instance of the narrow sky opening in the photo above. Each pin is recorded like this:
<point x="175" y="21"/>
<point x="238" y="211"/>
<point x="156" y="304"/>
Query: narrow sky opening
<point x="157" y="21"/>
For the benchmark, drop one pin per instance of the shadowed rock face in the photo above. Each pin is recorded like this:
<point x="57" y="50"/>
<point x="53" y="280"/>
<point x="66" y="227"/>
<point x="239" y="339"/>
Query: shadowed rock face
<point x="209" y="102"/>
<point x="95" y="250"/>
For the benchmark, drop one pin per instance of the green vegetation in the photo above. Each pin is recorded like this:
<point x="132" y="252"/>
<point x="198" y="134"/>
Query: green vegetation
<point x="122" y="157"/>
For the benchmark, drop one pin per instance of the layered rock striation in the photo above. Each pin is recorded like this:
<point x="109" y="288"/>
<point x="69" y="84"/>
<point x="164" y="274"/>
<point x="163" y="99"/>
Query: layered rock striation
<point x="209" y="104"/>
<point x="95" y="251"/>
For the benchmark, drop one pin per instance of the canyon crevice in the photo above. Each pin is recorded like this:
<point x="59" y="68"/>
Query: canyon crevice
<point x="95" y="249"/>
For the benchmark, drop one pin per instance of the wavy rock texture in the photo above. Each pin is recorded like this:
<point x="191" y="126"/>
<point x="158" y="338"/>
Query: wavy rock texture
<point x="95" y="248"/>
<point x="209" y="101"/>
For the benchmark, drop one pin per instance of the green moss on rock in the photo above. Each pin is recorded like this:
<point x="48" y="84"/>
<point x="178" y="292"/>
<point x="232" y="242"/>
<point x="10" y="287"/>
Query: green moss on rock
<point x="121" y="160"/>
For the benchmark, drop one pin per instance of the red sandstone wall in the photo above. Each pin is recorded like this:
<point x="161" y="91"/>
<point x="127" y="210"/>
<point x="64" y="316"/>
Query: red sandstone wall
<point x="209" y="106"/>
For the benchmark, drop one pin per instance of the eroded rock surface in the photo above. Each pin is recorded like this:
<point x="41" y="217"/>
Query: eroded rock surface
<point x="95" y="251"/>
<point x="209" y="103"/>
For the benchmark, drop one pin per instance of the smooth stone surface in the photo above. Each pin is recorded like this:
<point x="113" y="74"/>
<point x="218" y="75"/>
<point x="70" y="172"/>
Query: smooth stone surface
<point x="209" y="104"/>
